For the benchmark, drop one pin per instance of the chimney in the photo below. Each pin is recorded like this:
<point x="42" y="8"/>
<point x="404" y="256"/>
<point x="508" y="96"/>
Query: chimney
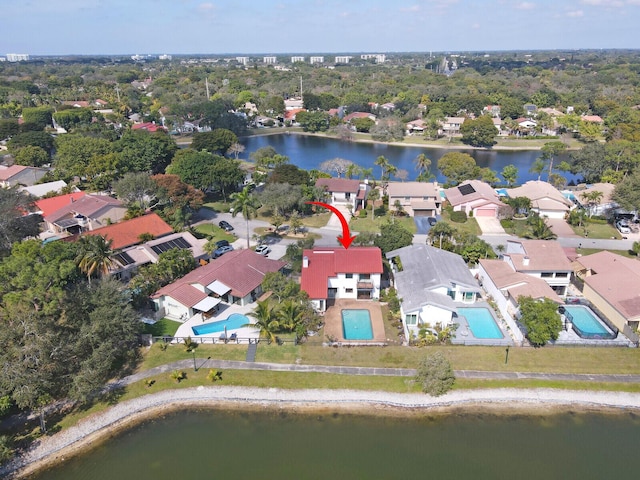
<point x="305" y="262"/>
<point x="525" y="261"/>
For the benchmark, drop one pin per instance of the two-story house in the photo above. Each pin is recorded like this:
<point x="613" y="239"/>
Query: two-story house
<point x="345" y="191"/>
<point x="430" y="283"/>
<point x="418" y="199"/>
<point x="334" y="273"/>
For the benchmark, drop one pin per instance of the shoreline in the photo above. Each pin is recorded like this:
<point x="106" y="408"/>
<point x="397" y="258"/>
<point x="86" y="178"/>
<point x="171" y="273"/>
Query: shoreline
<point x="97" y="428"/>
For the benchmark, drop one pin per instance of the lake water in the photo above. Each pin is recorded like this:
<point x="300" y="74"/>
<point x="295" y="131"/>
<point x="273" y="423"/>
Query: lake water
<point x="308" y="152"/>
<point x="278" y="445"/>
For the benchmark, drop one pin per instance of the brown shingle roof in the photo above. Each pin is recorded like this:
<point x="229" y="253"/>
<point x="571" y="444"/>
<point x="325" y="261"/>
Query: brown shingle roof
<point x="542" y="195"/>
<point x="87" y="206"/>
<point x="339" y="184"/>
<point x="482" y="191"/>
<point x="542" y="255"/>
<point x="411" y="189"/>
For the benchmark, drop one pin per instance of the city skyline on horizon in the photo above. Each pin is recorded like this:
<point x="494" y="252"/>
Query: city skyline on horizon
<point x="220" y="27"/>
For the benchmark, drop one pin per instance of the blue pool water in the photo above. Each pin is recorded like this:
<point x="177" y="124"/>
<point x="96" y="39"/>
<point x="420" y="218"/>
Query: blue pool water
<point x="481" y="322"/>
<point x="232" y="322"/>
<point x="502" y="192"/>
<point x="586" y="321"/>
<point x="356" y="325"/>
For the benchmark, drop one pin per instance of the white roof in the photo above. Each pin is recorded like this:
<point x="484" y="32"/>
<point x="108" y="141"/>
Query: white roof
<point x="207" y="304"/>
<point x="44" y="188"/>
<point x="218" y="287"/>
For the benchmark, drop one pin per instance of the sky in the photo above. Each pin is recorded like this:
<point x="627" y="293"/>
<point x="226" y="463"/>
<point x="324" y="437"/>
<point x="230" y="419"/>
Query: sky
<point x="90" y="27"/>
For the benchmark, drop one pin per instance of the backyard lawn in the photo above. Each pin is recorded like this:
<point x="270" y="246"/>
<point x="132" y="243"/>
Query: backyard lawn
<point x="470" y="227"/>
<point x="162" y="327"/>
<point x="597" y="230"/>
<point x="367" y="225"/>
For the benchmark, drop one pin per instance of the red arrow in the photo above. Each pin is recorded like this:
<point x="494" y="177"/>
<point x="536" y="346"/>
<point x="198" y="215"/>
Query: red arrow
<point x="346" y="237"/>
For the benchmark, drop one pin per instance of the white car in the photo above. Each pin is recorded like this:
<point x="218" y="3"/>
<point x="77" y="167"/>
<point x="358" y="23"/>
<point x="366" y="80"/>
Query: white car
<point x="263" y="250"/>
<point x="623" y="226"/>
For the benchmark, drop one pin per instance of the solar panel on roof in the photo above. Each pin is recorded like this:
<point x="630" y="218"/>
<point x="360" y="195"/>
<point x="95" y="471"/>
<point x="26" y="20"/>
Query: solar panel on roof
<point x="466" y="189"/>
<point x="176" y="243"/>
<point x="123" y="259"/>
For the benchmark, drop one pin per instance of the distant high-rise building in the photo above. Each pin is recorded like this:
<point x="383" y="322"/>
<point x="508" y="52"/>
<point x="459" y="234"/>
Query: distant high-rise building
<point x="242" y="60"/>
<point x="269" y="60"/>
<point x="378" y="57"/>
<point x="17" y="57"/>
<point x="343" y="59"/>
<point x="164" y="57"/>
<point x="313" y="60"/>
<point x="297" y="59"/>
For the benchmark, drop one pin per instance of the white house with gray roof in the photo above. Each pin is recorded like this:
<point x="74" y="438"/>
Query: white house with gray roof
<point x="430" y="283"/>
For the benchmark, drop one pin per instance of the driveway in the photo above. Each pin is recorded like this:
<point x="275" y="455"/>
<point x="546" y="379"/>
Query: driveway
<point x="561" y="228"/>
<point x="490" y="226"/>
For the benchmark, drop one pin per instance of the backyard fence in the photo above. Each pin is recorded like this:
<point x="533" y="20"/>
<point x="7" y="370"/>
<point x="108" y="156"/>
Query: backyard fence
<point x="230" y="340"/>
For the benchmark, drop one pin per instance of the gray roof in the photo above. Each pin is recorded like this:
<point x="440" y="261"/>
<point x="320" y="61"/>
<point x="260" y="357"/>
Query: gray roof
<point x="425" y="268"/>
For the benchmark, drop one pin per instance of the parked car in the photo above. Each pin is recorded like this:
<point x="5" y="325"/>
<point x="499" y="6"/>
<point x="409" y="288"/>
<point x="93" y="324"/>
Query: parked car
<point x="263" y="250"/>
<point x="226" y="226"/>
<point x="623" y="226"/>
<point x="222" y="243"/>
<point x="222" y="250"/>
<point x="432" y="221"/>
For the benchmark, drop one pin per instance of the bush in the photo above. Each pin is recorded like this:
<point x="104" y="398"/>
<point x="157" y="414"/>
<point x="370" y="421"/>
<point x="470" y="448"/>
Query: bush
<point x="458" y="217"/>
<point x="435" y="375"/>
<point x="362" y="213"/>
<point x="506" y="223"/>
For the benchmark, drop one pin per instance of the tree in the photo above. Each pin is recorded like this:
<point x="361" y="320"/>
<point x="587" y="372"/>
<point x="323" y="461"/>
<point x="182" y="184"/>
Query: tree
<point x="538" y="167"/>
<point x="363" y="124"/>
<point x="267" y="158"/>
<point x="510" y="174"/>
<point x="266" y="320"/>
<point x="40" y="116"/>
<point x="387" y="130"/>
<point x="282" y="198"/>
<point x="393" y="236"/>
<point x="435" y="375"/>
<point x="14" y="224"/>
<point x="143" y="151"/>
<point x="216" y="141"/>
<point x="458" y="167"/>
<point x="74" y="154"/>
<point x="541" y="318"/>
<point x="244" y="202"/>
<point x="37" y="139"/>
<point x="32" y="156"/>
<point x="338" y="166"/>
<point x="193" y="167"/>
<point x="372" y="196"/>
<point x="235" y="149"/>
<point x="8" y="127"/>
<point x="280" y="286"/>
<point x="551" y="150"/>
<point x="290" y="174"/>
<point x="136" y="189"/>
<point x="296" y="221"/>
<point x="539" y="228"/>
<point x="94" y="255"/>
<point x="226" y="174"/>
<point x="627" y="192"/>
<point x="441" y="235"/>
<point x="73" y="117"/>
<point x="313" y="121"/>
<point x="423" y="164"/>
<point x="480" y="132"/>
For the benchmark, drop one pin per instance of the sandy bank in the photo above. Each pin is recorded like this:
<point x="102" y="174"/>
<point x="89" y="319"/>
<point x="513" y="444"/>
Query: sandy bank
<point x="95" y="428"/>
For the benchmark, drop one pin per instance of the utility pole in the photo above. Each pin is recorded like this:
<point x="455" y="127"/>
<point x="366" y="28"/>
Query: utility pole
<point x="206" y="84"/>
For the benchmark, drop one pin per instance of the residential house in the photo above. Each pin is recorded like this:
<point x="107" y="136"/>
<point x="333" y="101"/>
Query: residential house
<point x="544" y="259"/>
<point x="88" y="212"/>
<point x="451" y="125"/>
<point x="354" y="115"/>
<point x="290" y="115"/>
<point x="603" y="206"/>
<point x="127" y="233"/>
<point x="592" y="119"/>
<point x="293" y="104"/>
<point x="42" y="189"/>
<point x="418" y="199"/>
<point x="526" y="124"/>
<point x="546" y="200"/>
<point x="612" y="285"/>
<point x="493" y="110"/>
<point x="129" y="259"/>
<point x="499" y="124"/>
<point x="20" y="175"/>
<point x="506" y="286"/>
<point x="430" y="281"/>
<point x="416" y="127"/>
<point x="345" y="191"/>
<point x="235" y="277"/>
<point x="552" y="112"/>
<point x="148" y="126"/>
<point x="474" y="198"/>
<point x="332" y="273"/>
<point x="530" y="109"/>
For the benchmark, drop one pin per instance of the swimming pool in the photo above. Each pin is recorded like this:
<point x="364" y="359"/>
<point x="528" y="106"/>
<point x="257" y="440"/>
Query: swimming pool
<point x="356" y="325"/>
<point x="232" y="322"/>
<point x="586" y="323"/>
<point x="481" y="322"/>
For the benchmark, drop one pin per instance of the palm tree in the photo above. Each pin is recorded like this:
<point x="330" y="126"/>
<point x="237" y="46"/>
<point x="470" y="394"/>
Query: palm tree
<point x="423" y="163"/>
<point x="244" y="202"/>
<point x="210" y="247"/>
<point x="593" y="199"/>
<point x="95" y="255"/>
<point x="372" y="196"/>
<point x="539" y="228"/>
<point x="266" y="322"/>
<point x="290" y="314"/>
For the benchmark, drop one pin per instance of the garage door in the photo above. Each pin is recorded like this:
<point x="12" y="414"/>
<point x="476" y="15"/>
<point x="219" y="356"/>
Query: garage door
<point x="423" y="213"/>
<point x="485" y="212"/>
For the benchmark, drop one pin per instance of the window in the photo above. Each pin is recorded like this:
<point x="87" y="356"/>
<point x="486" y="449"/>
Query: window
<point x="348" y="290"/>
<point x="469" y="296"/>
<point x="411" y="319"/>
<point x="562" y="275"/>
<point x="546" y="274"/>
<point x="365" y="276"/>
<point x="348" y="275"/>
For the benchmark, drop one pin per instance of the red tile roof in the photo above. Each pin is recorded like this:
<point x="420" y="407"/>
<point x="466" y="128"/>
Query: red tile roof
<point x="125" y="234"/>
<point x="325" y="263"/>
<point x="49" y="205"/>
<point x="148" y="126"/>
<point x="339" y="184"/>
<point x="241" y="270"/>
<point x="291" y="114"/>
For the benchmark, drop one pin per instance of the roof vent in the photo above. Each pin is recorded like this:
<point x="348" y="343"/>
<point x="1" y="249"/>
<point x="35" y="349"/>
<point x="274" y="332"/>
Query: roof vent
<point x="305" y="262"/>
<point x="525" y="261"/>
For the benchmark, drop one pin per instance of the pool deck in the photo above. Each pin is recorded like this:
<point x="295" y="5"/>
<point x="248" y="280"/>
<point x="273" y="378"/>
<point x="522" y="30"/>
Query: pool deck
<point x="333" y="321"/>
<point x="184" y="330"/>
<point x="464" y="334"/>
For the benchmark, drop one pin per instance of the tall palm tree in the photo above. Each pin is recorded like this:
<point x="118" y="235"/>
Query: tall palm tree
<point x="266" y="322"/>
<point x="94" y="256"/>
<point x="290" y="314"/>
<point x="244" y="202"/>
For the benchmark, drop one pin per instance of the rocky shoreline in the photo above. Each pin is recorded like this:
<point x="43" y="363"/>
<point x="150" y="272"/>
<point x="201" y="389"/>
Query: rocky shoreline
<point x="91" y="430"/>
